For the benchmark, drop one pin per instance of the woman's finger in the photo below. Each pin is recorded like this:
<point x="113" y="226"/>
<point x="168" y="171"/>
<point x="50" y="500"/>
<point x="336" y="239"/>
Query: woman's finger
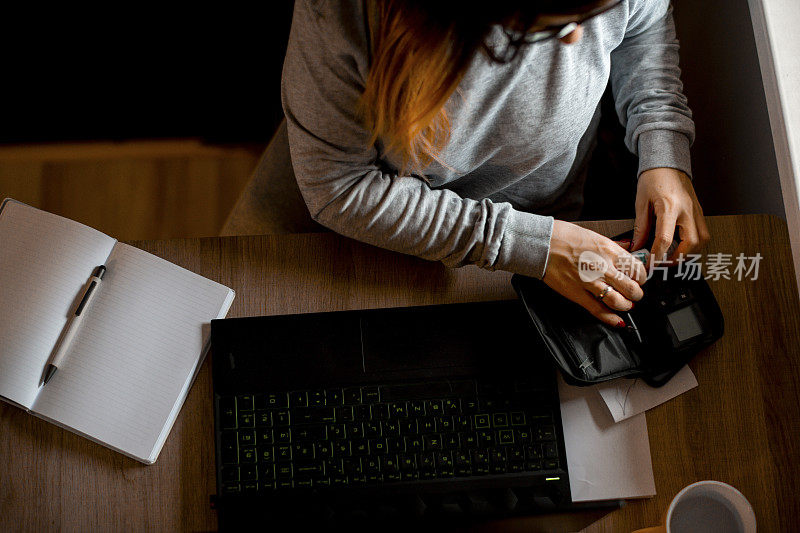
<point x="599" y="310"/>
<point x="665" y="233"/>
<point x="628" y="289"/>
<point x="690" y="240"/>
<point x="641" y="224"/>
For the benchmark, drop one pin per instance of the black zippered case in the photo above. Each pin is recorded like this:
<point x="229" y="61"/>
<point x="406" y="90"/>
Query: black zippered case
<point x="674" y="321"/>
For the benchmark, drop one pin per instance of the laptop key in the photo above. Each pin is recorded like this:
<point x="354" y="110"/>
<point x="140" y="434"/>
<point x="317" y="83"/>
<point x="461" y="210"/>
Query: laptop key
<point x="277" y="400"/>
<point x="282" y="418"/>
<point x="227" y="409"/>
<point x="298" y="399"/>
<point x="516" y="467"/>
<point x="413" y="443"/>
<point x="546" y="432"/>
<point x="283" y="453"/>
<point x="371" y="465"/>
<point x="316" y="398"/>
<point x="515" y="454"/>
<point x="352" y="396"/>
<point x="468" y="440"/>
<point x="342" y="449"/>
<point x="434" y="408"/>
<point x="505" y="436"/>
<point x="482" y="421"/>
<point x="500" y="420"/>
<point x="362" y="413"/>
<point x="427" y="425"/>
<point x="344" y="414"/>
<point x="390" y="428"/>
<point x="247" y="438"/>
<point x="302" y="451"/>
<point x="247" y="455"/>
<point x="230" y="474"/>
<point x="450" y="441"/>
<point x="303" y="483"/>
<point x="266" y="472"/>
<point x="266" y="454"/>
<point x="355" y="430"/>
<point x="397" y="444"/>
<point x="244" y="403"/>
<point x="486" y="438"/>
<point x="398" y="410"/>
<point x="390" y="464"/>
<point x="444" y="424"/>
<point x="370" y="394"/>
<point x="336" y="431"/>
<point x="312" y="415"/>
<point x="249" y="472"/>
<point x="263" y="419"/>
<point x="380" y="411"/>
<point x="407" y="462"/>
<point x="517" y="418"/>
<point x="352" y="465"/>
<point x="416" y="408"/>
<point x="323" y="450"/>
<point x="379" y="446"/>
<point x="246" y="420"/>
<point x="360" y="447"/>
<point x="231" y="488"/>
<point x="283" y="436"/>
<point x="310" y="433"/>
<point x="433" y="442"/>
<point x="285" y="471"/>
<point x="334" y="397"/>
<point x="310" y="469"/>
<point x="372" y="429"/>
<point x="550" y="450"/>
<point x="334" y="466"/>
<point x="409" y="427"/>
<point x="230" y="448"/>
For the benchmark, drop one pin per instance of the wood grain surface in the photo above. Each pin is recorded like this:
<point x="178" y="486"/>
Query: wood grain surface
<point x="740" y="426"/>
<point x="132" y="189"/>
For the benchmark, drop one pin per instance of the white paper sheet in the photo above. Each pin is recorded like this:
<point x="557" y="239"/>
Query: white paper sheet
<point x="628" y="397"/>
<point x="606" y="460"/>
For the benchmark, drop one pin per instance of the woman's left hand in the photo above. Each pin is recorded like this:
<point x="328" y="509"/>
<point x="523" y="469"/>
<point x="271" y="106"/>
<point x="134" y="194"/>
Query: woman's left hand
<point x="667" y="195"/>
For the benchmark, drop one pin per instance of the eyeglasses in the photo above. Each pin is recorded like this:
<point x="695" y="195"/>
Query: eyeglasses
<point x="558" y="31"/>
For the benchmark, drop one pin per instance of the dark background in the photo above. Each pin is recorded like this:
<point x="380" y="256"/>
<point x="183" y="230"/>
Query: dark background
<point x="116" y="75"/>
<point x="214" y="74"/>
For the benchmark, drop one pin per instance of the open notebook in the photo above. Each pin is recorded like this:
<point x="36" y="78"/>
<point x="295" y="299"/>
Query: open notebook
<point x="142" y="340"/>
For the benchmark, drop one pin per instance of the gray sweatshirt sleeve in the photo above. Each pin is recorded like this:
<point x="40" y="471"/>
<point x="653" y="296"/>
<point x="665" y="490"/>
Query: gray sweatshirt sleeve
<point x="647" y="89"/>
<point x="340" y="176"/>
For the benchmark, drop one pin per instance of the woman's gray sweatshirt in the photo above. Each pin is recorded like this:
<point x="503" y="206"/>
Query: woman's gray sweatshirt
<point x="518" y="134"/>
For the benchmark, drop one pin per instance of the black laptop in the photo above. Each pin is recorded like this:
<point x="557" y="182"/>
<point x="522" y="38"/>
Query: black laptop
<point x="441" y="412"/>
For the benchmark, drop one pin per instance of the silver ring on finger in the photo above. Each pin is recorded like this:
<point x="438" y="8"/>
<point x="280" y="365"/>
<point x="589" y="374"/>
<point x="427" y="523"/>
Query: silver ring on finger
<point x="604" y="292"/>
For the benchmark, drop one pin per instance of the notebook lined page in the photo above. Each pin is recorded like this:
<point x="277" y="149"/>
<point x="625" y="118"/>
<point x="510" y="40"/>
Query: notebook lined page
<point x="140" y="341"/>
<point x="45" y="261"/>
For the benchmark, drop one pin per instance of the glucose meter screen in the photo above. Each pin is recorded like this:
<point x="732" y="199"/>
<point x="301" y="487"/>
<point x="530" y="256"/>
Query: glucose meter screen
<point x="685" y="323"/>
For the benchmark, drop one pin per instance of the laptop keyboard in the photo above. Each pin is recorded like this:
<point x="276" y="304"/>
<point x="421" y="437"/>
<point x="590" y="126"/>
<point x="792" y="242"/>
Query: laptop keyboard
<point x="370" y="435"/>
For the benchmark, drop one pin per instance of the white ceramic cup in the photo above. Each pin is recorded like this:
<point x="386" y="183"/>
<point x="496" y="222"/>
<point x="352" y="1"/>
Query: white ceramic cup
<point x="710" y="506"/>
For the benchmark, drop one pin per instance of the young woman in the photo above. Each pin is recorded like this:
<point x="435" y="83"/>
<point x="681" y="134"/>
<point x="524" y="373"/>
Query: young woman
<point x="460" y="134"/>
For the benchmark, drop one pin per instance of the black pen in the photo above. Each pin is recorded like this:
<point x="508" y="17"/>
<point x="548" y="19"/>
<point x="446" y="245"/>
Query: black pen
<point x="75" y="322"/>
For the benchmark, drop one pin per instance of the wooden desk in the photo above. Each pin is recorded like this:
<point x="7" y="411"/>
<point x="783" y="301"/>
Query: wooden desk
<point x="741" y="425"/>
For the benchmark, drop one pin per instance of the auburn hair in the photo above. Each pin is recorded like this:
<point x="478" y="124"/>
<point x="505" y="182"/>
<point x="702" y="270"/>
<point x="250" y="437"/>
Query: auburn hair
<point x="420" y="51"/>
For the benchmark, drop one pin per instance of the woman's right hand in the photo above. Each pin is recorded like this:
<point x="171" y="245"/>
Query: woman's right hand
<point x="583" y="263"/>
